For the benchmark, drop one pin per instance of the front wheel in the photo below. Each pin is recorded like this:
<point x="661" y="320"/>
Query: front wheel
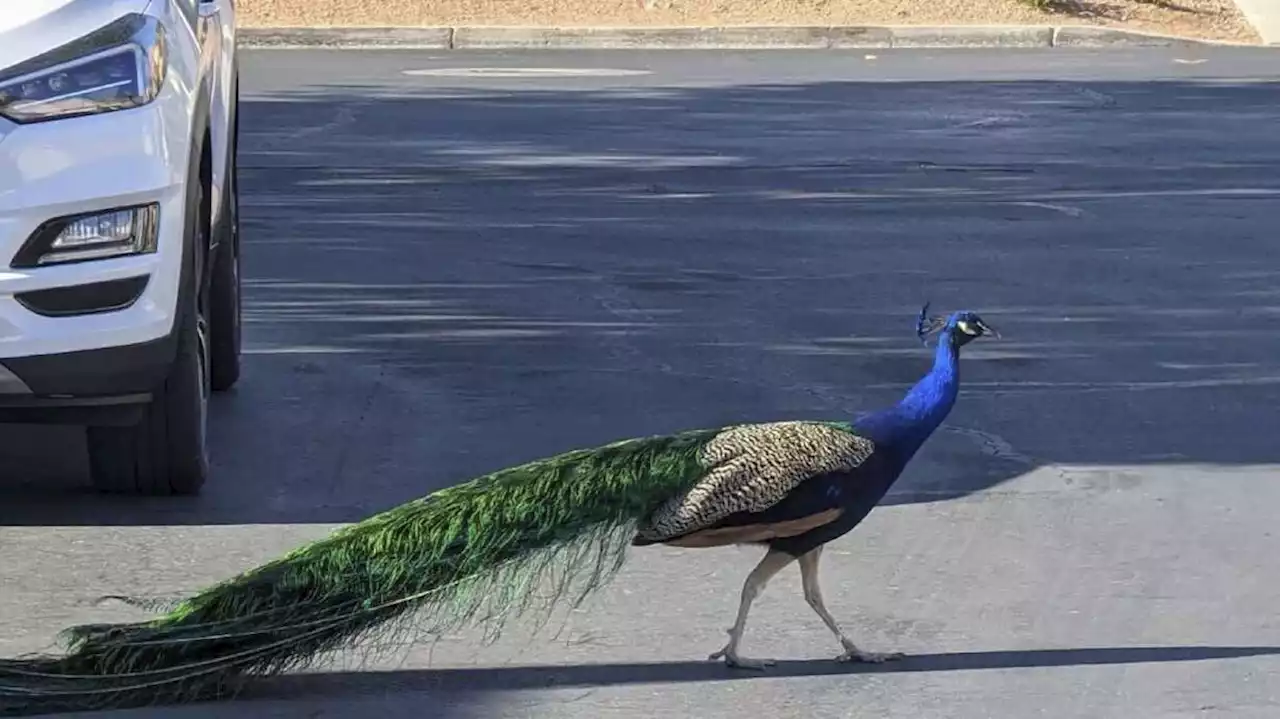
<point x="166" y="453"/>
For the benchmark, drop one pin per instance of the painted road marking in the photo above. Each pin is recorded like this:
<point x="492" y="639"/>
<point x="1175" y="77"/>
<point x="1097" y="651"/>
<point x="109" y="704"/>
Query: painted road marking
<point x="526" y="72"/>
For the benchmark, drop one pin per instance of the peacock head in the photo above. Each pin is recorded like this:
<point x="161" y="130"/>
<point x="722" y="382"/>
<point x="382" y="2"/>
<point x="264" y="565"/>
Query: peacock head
<point x="960" y="328"/>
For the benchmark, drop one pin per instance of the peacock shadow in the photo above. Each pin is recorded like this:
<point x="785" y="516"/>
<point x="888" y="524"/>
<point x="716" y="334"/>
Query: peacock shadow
<point x="448" y="681"/>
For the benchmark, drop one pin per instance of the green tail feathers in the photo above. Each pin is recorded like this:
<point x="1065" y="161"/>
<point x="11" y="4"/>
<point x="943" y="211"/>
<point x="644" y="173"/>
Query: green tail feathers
<point x="479" y="551"/>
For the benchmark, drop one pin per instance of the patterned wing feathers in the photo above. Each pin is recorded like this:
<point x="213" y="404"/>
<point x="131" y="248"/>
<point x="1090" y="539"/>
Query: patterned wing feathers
<point x="752" y="467"/>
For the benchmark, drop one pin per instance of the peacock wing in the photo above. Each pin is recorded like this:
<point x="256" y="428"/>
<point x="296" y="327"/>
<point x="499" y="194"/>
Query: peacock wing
<point x="750" y="468"/>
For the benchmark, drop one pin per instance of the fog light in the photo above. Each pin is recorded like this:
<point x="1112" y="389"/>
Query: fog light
<point x="101" y="235"/>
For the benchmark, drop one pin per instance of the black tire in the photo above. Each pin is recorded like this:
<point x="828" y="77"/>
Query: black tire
<point x="224" y="293"/>
<point x="166" y="453"/>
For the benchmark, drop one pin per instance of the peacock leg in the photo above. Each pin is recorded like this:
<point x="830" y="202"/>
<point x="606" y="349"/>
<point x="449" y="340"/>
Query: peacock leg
<point x="813" y="595"/>
<point x="772" y="563"/>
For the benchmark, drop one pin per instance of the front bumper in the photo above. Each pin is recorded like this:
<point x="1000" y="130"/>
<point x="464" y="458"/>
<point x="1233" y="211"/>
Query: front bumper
<point x="94" y="332"/>
<point x="100" y="386"/>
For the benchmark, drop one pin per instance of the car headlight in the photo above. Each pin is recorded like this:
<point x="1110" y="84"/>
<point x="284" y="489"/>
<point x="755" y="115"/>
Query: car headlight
<point x="116" y="67"/>
<point x="118" y="232"/>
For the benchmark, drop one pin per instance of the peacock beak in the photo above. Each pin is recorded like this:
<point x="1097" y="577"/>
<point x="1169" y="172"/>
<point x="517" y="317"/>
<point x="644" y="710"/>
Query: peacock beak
<point x="988" y="329"/>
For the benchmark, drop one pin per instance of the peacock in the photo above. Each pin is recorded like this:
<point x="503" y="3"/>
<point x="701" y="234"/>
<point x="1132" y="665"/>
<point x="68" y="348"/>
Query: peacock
<point x="487" y="550"/>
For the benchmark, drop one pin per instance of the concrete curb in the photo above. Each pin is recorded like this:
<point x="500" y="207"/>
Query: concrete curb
<point x="722" y="38"/>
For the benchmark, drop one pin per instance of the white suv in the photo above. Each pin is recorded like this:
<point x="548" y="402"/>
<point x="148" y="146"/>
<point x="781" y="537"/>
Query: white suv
<point x="119" y="240"/>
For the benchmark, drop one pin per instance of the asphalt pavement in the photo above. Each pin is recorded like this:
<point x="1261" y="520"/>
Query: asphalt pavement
<point x="452" y="267"/>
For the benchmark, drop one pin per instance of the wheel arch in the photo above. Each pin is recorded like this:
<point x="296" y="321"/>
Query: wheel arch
<point x="195" y="260"/>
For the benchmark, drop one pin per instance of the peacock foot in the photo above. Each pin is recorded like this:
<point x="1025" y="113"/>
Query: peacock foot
<point x="858" y="656"/>
<point x="732" y="660"/>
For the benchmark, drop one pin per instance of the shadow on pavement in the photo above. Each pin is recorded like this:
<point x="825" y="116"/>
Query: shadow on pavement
<point x="487" y="680"/>
<point x="443" y="283"/>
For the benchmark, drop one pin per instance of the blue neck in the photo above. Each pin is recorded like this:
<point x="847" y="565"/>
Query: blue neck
<point x="904" y="427"/>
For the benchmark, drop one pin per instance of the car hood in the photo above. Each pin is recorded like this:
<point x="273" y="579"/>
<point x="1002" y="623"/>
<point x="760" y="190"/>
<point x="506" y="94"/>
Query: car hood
<point x="32" y="27"/>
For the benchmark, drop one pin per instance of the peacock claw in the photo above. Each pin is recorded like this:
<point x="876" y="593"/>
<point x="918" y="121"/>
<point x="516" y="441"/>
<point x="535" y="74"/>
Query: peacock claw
<point x="733" y="661"/>
<point x="859" y="656"/>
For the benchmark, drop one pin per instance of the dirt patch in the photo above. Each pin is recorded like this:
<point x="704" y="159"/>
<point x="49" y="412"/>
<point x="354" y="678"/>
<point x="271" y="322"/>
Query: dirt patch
<point x="1213" y="19"/>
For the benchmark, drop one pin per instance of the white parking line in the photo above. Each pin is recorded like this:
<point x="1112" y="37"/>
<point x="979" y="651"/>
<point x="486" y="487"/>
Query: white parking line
<point x="526" y="72"/>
